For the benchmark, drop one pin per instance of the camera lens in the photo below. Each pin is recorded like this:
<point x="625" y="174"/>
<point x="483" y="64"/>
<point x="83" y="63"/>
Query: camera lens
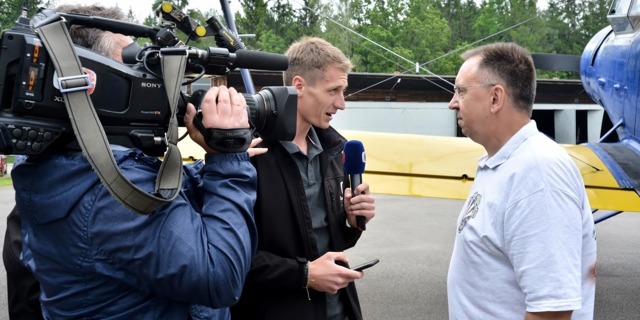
<point x="272" y="112"/>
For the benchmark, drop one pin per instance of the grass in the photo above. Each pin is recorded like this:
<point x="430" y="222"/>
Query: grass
<point x="6" y="180"/>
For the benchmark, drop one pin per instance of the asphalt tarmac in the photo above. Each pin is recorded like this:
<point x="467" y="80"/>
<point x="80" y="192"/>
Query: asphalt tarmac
<point x="413" y="238"/>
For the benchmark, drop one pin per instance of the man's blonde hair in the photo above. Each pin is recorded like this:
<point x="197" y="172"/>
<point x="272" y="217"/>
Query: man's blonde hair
<point x="309" y="57"/>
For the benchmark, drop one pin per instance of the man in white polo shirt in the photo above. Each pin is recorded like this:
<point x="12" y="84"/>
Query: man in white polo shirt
<point x="525" y="244"/>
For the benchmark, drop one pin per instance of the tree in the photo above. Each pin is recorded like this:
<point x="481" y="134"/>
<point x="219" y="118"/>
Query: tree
<point x="276" y="24"/>
<point x="308" y="17"/>
<point x="564" y="18"/>
<point x="131" y="16"/>
<point x="427" y="33"/>
<point x="284" y="26"/>
<point x="150" y="20"/>
<point x="253" y="18"/>
<point x="381" y="25"/>
<point x="594" y="17"/>
<point x="400" y="34"/>
<point x="491" y="20"/>
<point x="460" y="16"/>
<point x="11" y="10"/>
<point x="341" y="18"/>
<point x="527" y="29"/>
<point x="392" y="35"/>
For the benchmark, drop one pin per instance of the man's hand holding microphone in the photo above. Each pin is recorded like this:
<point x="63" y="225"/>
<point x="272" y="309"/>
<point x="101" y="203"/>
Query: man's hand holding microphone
<point x="358" y="202"/>
<point x="327" y="273"/>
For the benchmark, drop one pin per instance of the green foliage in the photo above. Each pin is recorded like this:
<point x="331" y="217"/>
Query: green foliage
<point x="390" y="36"/>
<point x="151" y="20"/>
<point x="255" y="17"/>
<point x="276" y="24"/>
<point x="340" y="17"/>
<point x="11" y="10"/>
<point x="131" y="16"/>
<point x="397" y="34"/>
<point x="5" y="181"/>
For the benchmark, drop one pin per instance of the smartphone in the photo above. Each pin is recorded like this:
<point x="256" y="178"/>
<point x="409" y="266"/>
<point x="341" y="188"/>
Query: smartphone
<point x="365" y="265"/>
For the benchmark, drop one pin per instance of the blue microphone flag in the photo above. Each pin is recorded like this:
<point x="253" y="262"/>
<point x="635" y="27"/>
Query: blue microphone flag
<point x="354" y="157"/>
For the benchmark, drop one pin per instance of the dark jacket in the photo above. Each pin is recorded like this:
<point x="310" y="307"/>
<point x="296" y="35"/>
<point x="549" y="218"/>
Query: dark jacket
<point x="95" y="259"/>
<point x="274" y="288"/>
<point x="23" y="290"/>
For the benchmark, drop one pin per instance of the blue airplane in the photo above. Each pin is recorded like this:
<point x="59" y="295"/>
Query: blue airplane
<point x="609" y="73"/>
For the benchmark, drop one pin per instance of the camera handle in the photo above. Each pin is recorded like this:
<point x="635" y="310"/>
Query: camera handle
<point x="90" y="133"/>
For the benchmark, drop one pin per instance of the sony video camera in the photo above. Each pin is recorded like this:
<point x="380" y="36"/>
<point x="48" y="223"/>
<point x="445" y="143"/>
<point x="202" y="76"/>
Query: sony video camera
<point x="129" y="97"/>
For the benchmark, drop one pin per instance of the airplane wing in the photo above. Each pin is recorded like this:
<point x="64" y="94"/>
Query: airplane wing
<point x="611" y="173"/>
<point x="417" y="165"/>
<point x="189" y="150"/>
<point x="444" y="167"/>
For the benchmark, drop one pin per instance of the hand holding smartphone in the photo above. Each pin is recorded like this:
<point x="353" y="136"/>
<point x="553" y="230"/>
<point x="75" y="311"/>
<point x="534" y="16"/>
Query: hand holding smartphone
<point x="365" y="265"/>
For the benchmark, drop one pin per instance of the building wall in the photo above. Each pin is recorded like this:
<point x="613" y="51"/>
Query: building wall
<point x="407" y="117"/>
<point x="435" y="118"/>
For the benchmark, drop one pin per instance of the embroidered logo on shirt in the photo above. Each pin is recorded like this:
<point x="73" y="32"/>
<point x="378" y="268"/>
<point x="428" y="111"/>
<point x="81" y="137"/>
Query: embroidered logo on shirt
<point x="472" y="210"/>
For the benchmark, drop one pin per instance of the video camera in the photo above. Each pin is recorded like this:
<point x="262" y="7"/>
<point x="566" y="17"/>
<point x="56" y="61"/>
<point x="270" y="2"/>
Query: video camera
<point x="129" y="97"/>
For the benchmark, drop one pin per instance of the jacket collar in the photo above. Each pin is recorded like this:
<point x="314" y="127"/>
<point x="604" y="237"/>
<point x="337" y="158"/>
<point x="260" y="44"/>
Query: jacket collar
<point x="330" y="139"/>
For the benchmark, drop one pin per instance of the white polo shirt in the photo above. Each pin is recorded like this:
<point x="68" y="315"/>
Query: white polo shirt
<point x="525" y="238"/>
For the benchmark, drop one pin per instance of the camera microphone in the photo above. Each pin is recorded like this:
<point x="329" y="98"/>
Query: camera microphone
<point x="242" y="58"/>
<point x="260" y="60"/>
<point x="354" y="159"/>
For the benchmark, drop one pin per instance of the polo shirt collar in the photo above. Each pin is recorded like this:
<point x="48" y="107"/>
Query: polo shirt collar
<point x="510" y="147"/>
<point x="313" y="149"/>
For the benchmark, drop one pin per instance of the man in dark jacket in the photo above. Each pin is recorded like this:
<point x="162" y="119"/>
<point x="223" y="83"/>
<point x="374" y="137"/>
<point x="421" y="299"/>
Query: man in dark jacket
<point x="23" y="290"/>
<point x="304" y="216"/>
<point x="93" y="258"/>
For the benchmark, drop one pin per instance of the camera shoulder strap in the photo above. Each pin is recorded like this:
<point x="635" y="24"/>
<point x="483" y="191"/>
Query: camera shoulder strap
<point x="90" y="134"/>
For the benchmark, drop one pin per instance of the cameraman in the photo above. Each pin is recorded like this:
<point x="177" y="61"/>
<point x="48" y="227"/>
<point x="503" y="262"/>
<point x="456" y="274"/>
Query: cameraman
<point x="94" y="258"/>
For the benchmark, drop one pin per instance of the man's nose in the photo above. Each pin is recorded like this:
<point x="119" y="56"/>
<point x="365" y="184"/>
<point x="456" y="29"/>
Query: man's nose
<point x="454" y="103"/>
<point x="340" y="103"/>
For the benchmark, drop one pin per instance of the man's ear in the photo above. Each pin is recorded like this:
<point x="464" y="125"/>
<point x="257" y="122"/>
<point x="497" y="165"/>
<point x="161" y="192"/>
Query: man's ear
<point x="298" y="83"/>
<point x="498" y="98"/>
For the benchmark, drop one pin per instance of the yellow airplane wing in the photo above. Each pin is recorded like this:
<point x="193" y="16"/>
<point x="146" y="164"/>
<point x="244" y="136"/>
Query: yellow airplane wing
<point x="602" y="188"/>
<point x="416" y="165"/>
<point x="444" y="167"/>
<point x="189" y="150"/>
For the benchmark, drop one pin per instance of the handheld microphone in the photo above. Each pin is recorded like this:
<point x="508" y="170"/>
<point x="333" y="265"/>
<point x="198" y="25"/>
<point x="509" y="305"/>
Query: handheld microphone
<point x="354" y="159"/>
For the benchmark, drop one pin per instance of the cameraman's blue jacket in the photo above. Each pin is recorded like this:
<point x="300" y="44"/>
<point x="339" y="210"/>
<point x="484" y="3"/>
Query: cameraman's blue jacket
<point x="96" y="259"/>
